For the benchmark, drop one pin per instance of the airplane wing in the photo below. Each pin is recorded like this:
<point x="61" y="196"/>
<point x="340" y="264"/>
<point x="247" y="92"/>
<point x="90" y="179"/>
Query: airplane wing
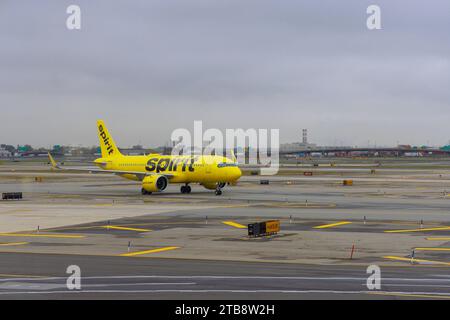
<point x="139" y="174"/>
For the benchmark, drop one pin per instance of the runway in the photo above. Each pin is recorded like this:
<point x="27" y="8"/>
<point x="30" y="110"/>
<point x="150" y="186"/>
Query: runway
<point x="32" y="276"/>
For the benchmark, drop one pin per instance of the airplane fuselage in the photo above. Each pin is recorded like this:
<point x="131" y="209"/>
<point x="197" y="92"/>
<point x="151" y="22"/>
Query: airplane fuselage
<point x="185" y="169"/>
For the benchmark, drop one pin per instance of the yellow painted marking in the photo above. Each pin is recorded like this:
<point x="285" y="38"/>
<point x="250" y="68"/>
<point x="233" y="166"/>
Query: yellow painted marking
<point x="39" y="235"/>
<point x="406" y="223"/>
<point x="128" y="225"/>
<point x="418" y="230"/>
<point x="13" y="244"/>
<point x="233" y="206"/>
<point x="137" y="253"/>
<point x="234" y="224"/>
<point x="416" y="260"/>
<point x="431" y="296"/>
<point x="433" y="249"/>
<point x="332" y="225"/>
<point x="438" y="238"/>
<point x="126" y="228"/>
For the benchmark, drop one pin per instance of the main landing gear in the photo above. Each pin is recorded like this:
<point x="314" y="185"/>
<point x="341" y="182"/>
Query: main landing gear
<point x="145" y="192"/>
<point x="185" y="189"/>
<point x="219" y="187"/>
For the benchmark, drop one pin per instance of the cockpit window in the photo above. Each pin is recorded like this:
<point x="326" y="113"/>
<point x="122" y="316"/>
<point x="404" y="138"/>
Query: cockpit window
<point x="224" y="165"/>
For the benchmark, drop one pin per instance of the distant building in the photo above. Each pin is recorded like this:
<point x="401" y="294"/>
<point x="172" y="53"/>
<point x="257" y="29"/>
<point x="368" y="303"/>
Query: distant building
<point x="5" y="153"/>
<point x="297" y="146"/>
<point x="305" y="136"/>
<point x="135" y="152"/>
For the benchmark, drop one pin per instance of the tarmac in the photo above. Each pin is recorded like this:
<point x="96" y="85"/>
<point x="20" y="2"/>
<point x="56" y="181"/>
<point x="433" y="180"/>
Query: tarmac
<point x="177" y="246"/>
<point x="142" y="278"/>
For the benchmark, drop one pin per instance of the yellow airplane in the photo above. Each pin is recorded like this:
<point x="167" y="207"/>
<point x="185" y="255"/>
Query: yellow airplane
<point x="155" y="171"/>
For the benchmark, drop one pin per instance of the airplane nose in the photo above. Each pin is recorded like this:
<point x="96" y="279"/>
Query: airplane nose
<point x="236" y="174"/>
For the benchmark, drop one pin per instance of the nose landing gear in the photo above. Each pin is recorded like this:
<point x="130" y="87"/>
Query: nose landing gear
<point x="219" y="187"/>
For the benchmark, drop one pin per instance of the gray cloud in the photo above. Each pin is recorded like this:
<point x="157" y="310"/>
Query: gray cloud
<point x="148" y="67"/>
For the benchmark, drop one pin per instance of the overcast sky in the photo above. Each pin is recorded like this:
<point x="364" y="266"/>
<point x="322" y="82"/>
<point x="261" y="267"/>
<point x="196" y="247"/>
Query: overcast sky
<point x="149" y="67"/>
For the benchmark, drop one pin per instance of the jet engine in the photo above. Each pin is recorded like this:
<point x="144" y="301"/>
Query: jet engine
<point x="213" y="185"/>
<point x="154" y="183"/>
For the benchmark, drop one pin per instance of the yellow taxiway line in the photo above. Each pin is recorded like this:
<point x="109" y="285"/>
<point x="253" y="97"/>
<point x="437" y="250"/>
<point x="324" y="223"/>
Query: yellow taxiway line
<point x="126" y="228"/>
<point x="438" y="238"/>
<point x="432" y="249"/>
<point x="137" y="253"/>
<point x="13" y="244"/>
<point x="418" y="230"/>
<point x="128" y="225"/>
<point x="234" y="224"/>
<point x="416" y="260"/>
<point x="39" y="235"/>
<point x="332" y="225"/>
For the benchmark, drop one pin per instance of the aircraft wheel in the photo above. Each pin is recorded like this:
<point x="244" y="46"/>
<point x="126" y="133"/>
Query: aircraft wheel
<point x="145" y="192"/>
<point x="218" y="192"/>
<point x="188" y="189"/>
<point x="183" y="189"/>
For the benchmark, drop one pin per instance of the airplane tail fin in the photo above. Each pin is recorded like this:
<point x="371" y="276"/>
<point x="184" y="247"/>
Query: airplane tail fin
<point x="52" y="161"/>
<point x="107" y="145"/>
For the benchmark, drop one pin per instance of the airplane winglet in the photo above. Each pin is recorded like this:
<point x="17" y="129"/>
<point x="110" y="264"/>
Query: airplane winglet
<point x="53" y="162"/>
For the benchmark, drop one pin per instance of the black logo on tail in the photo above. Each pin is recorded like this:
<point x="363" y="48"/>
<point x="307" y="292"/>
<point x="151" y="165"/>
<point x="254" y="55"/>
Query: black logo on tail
<point x="105" y="138"/>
